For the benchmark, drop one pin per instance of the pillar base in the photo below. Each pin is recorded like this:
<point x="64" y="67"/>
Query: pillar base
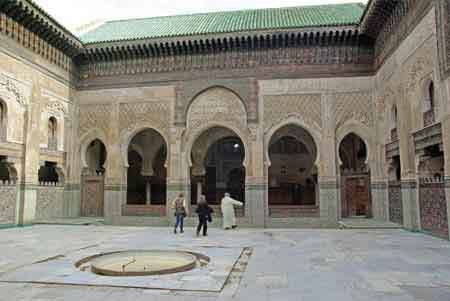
<point x="26" y="203"/>
<point x="255" y="196"/>
<point x="112" y="203"/>
<point x="379" y="194"/>
<point x="72" y="200"/>
<point x="411" y="209"/>
<point x="329" y="199"/>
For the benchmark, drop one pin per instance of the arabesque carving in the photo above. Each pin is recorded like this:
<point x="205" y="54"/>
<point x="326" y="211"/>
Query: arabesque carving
<point x="217" y="105"/>
<point x="154" y="113"/>
<point x="303" y="106"/>
<point x="358" y="106"/>
<point x="94" y="116"/>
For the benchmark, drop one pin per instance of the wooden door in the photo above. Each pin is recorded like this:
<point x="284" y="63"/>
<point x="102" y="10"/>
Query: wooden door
<point x="93" y="196"/>
<point x="356" y="196"/>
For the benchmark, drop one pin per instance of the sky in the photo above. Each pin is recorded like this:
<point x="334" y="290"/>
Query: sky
<point x="73" y="14"/>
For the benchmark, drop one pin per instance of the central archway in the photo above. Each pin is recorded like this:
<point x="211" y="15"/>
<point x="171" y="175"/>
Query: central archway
<point x="146" y="175"/>
<point x="217" y="157"/>
<point x="293" y="189"/>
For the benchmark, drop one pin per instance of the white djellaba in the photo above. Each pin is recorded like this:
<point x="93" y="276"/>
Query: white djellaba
<point x="227" y="206"/>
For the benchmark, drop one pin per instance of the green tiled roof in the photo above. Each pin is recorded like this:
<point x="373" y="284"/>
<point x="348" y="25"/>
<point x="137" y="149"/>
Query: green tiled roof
<point x="226" y="22"/>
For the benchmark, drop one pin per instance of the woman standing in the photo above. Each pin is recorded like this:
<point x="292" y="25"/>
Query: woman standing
<point x="179" y="205"/>
<point x="204" y="215"/>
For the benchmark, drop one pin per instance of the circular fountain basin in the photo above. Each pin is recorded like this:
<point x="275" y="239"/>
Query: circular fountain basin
<point x="141" y="263"/>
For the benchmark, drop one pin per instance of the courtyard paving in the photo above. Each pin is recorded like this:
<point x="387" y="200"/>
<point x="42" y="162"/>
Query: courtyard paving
<point x="37" y="263"/>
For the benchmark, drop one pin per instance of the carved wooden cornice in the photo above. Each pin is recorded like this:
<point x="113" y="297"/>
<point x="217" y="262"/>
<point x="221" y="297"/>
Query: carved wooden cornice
<point x="376" y="14"/>
<point x="33" y="18"/>
<point x="198" y="45"/>
<point x="426" y="137"/>
<point x="332" y="46"/>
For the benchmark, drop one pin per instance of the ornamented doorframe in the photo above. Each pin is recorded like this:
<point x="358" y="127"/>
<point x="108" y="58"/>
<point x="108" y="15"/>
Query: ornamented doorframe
<point x="356" y="194"/>
<point x="92" y="200"/>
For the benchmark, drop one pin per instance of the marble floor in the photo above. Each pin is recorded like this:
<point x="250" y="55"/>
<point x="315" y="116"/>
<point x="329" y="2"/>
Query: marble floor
<point x="37" y="263"/>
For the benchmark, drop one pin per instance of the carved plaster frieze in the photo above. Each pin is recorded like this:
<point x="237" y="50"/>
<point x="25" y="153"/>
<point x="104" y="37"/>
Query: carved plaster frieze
<point x="14" y="89"/>
<point x="217" y="105"/>
<point x="155" y="113"/>
<point x="94" y="116"/>
<point x="306" y="107"/>
<point x="358" y="107"/>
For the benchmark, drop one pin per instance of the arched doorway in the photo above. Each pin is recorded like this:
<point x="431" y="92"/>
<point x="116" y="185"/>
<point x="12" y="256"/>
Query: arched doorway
<point x="92" y="201"/>
<point x="217" y="167"/>
<point x="293" y="187"/>
<point x="355" y="177"/>
<point x="147" y="175"/>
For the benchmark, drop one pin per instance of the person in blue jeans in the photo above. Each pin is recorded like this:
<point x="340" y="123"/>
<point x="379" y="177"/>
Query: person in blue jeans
<point x="179" y="205"/>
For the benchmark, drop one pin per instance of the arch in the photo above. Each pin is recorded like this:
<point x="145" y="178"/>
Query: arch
<point x="394" y="116"/>
<point x="359" y="130"/>
<point x="100" y="160"/>
<point x="291" y="155"/>
<point x="193" y="135"/>
<point x="354" y="173"/>
<point x="87" y="139"/>
<point x="48" y="174"/>
<point x="128" y="135"/>
<point x="345" y="152"/>
<point x="146" y="170"/>
<point x="428" y="101"/>
<point x="52" y="126"/>
<point x="191" y="101"/>
<point x="214" y="153"/>
<point x="315" y="134"/>
<point x="3" y="120"/>
<point x="52" y="134"/>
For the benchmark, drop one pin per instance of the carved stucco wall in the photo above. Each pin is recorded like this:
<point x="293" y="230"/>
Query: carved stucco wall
<point x="115" y="116"/>
<point x="217" y="105"/>
<point x="356" y="107"/>
<point x="401" y="79"/>
<point x="155" y="113"/>
<point x="49" y="202"/>
<point x="16" y="95"/>
<point x="94" y="116"/>
<point x="443" y="28"/>
<point x="57" y="107"/>
<point x="307" y="107"/>
<point x="246" y="88"/>
<point x="8" y="204"/>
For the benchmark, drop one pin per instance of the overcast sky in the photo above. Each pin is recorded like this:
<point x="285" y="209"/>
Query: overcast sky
<point x="73" y="14"/>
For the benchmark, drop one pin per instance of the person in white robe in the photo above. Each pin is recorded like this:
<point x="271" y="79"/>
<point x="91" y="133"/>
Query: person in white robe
<point x="227" y="206"/>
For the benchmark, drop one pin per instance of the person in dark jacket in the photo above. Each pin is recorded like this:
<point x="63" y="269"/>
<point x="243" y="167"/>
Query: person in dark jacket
<point x="204" y="215"/>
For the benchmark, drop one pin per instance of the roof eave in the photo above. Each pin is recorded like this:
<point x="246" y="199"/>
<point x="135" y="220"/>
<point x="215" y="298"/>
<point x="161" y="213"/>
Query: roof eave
<point x="224" y="35"/>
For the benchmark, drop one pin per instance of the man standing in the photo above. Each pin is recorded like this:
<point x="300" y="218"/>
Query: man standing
<point x="227" y="206"/>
